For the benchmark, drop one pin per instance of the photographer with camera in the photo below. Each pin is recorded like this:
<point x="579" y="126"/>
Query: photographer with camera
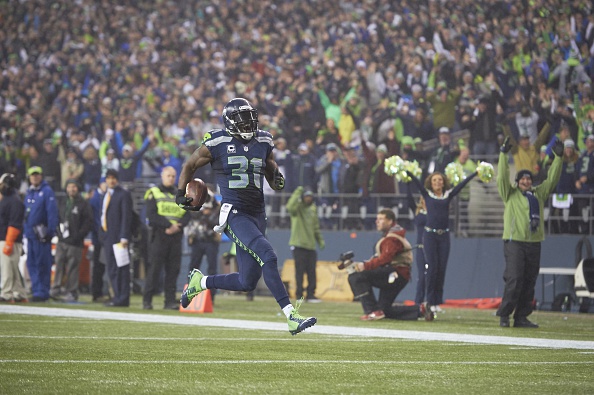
<point x="388" y="269"/>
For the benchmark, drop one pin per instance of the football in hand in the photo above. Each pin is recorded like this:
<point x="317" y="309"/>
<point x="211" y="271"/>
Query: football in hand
<point x="198" y="191"/>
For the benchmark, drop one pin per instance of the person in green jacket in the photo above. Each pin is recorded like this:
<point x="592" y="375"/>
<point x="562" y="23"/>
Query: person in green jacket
<point x="523" y="232"/>
<point x="305" y="233"/>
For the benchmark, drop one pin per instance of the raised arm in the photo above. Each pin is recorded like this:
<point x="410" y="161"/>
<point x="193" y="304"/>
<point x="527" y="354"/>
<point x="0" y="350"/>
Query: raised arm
<point x="418" y="183"/>
<point x="461" y="185"/>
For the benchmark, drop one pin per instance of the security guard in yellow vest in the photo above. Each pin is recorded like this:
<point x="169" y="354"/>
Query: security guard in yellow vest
<point x="166" y="220"/>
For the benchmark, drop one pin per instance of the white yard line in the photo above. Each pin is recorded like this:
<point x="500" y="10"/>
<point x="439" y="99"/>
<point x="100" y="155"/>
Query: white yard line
<point x="319" y="329"/>
<point x="291" y="362"/>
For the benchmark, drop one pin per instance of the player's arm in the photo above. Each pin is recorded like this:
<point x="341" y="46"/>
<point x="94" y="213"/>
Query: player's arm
<point x="200" y="157"/>
<point x="273" y="175"/>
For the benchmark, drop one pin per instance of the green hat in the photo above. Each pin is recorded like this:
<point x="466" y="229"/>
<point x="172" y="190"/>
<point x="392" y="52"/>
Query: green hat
<point x="407" y="140"/>
<point x="34" y="170"/>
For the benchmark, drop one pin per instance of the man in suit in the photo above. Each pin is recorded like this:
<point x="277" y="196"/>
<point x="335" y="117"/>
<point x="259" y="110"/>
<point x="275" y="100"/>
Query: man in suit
<point x="116" y="221"/>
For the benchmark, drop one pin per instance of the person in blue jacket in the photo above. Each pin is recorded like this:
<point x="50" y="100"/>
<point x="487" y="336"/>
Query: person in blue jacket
<point x="41" y="222"/>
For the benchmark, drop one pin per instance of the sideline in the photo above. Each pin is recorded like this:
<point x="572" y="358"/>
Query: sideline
<point x="319" y="329"/>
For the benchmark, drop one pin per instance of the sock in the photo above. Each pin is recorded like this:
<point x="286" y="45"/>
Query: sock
<point x="288" y="309"/>
<point x="203" y="282"/>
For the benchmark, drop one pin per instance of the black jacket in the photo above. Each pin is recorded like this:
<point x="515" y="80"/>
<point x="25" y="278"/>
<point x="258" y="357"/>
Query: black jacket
<point x="79" y="222"/>
<point x="12" y="212"/>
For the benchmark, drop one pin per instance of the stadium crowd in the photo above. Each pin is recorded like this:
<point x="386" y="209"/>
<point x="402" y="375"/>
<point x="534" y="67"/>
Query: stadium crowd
<point x="91" y="85"/>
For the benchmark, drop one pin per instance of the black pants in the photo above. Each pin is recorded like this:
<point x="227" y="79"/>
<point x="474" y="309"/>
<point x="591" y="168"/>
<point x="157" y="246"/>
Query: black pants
<point x="522" y="264"/>
<point x="305" y="263"/>
<point x="362" y="284"/>
<point x="165" y="254"/>
<point x="97" y="273"/>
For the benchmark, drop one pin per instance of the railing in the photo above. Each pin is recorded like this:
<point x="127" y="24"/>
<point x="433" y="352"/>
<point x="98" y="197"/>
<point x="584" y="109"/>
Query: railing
<point x="481" y="216"/>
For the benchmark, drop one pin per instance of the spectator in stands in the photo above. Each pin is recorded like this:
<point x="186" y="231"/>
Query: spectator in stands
<point x="526" y="155"/>
<point x="445" y="153"/>
<point x="329" y="168"/>
<point x="48" y="161"/>
<point x="72" y="167"/>
<point x="303" y="169"/>
<point x="129" y="163"/>
<point x="483" y="135"/>
<point x="377" y="181"/>
<point x="352" y="184"/>
<point x="562" y="203"/>
<point x="92" y="168"/>
<point x="469" y="167"/>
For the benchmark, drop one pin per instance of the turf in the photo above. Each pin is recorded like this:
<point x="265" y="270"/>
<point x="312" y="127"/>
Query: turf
<point x="51" y="355"/>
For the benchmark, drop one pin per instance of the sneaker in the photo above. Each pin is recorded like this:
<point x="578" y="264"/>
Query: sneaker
<point x="524" y="323"/>
<point x="374" y="316"/>
<point x="69" y="298"/>
<point x="298" y="323"/>
<point x="193" y="288"/>
<point x="313" y="300"/>
<point x="426" y="312"/>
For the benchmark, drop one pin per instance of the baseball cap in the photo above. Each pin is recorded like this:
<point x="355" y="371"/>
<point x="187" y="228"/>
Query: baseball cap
<point x="303" y="147"/>
<point x="308" y="193"/>
<point x="590" y="137"/>
<point x="569" y="143"/>
<point x="444" y="129"/>
<point x="382" y="148"/>
<point x="127" y="147"/>
<point x="34" y="170"/>
<point x="331" y="147"/>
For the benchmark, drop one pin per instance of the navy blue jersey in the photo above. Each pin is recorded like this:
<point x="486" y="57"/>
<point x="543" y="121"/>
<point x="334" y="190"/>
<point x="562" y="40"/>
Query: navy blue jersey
<point x="239" y="168"/>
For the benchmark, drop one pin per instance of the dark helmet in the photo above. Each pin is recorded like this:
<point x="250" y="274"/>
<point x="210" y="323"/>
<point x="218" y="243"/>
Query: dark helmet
<point x="240" y="119"/>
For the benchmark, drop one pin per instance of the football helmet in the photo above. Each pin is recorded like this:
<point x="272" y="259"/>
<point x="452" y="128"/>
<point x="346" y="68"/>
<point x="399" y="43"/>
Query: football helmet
<point x="240" y="119"/>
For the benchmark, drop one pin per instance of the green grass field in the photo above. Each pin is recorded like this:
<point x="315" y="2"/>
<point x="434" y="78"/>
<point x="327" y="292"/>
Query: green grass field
<point x="43" y="354"/>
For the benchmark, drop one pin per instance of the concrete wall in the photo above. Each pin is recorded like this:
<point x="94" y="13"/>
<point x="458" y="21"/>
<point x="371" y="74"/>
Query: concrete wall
<point x="475" y="266"/>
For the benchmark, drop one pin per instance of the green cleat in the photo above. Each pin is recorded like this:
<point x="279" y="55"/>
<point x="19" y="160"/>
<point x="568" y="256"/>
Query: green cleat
<point x="298" y="323"/>
<point x="193" y="288"/>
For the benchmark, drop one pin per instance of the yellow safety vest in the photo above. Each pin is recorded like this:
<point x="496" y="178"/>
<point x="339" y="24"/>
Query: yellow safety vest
<point x="166" y="206"/>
